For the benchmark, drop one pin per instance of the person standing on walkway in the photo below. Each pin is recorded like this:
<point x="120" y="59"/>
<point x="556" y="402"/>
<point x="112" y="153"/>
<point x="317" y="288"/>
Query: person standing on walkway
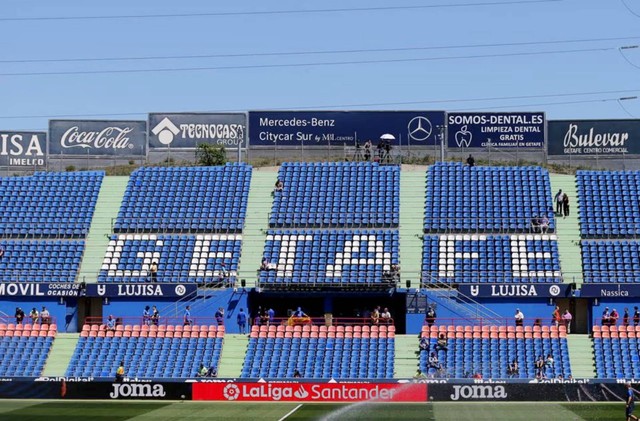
<point x="566" y="318"/>
<point x="242" y="321"/>
<point x="558" y="199"/>
<point x="565" y="205"/>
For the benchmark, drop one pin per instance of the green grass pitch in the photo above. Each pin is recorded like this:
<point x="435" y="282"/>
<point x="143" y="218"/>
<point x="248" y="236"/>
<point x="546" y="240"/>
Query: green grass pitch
<point x="32" y="410"/>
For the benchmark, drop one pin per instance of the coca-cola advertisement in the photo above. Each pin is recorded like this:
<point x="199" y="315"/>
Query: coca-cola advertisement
<point x="97" y="138"/>
<point x="594" y="137"/>
<point x="311" y="392"/>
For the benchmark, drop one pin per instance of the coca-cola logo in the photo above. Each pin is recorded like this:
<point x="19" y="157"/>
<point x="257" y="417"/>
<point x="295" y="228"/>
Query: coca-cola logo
<point x="108" y="138"/>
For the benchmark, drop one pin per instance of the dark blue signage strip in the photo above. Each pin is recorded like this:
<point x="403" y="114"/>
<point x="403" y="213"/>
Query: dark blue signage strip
<point x="339" y="128"/>
<point x="188" y="130"/>
<point x="97" y="138"/>
<point x="515" y="290"/>
<point x="610" y="290"/>
<point x="496" y="130"/>
<point x="594" y="137"/>
<point x="19" y="289"/>
<point x="23" y="149"/>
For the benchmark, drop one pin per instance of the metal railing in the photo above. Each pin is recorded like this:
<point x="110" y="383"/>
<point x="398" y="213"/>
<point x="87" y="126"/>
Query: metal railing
<point x="44" y="231"/>
<point x="7" y="319"/>
<point x="333" y="220"/>
<point x="37" y="276"/>
<point x="478" y="311"/>
<point x="323" y="321"/>
<point x="503" y="324"/>
<point x="487" y="225"/>
<point x="620" y="230"/>
<point x="182" y="225"/>
<point x="285" y="278"/>
<point x="139" y="321"/>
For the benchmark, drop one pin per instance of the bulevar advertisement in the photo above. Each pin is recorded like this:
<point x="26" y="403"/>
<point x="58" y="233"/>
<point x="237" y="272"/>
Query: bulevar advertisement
<point x="310" y="392"/>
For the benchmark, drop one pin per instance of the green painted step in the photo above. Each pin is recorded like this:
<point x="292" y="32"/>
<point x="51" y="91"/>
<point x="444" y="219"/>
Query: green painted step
<point x="232" y="357"/>
<point x="60" y="354"/>
<point x="407" y="358"/>
<point x="256" y="222"/>
<point x="412" y="196"/>
<point x="568" y="229"/>
<point x="107" y="207"/>
<point x="581" y="356"/>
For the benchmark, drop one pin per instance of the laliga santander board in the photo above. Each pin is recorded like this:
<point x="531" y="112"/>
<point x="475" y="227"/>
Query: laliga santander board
<point x="311" y="392"/>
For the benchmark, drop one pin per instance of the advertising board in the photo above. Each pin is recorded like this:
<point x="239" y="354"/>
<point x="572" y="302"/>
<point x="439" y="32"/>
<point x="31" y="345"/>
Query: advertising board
<point x="594" y="137"/>
<point x="97" y="138"/>
<point x="496" y="130"/>
<point x="68" y="289"/>
<point x="187" y="130"/>
<point x="23" y="149"/>
<point x="339" y="128"/>
<point x="514" y="290"/>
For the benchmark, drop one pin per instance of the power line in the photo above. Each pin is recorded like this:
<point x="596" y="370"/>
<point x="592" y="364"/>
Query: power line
<point x="317" y="52"/>
<point x="309" y="64"/>
<point x="363" y="105"/>
<point x="630" y="9"/>
<point x="275" y="12"/>
<point x="543" y="104"/>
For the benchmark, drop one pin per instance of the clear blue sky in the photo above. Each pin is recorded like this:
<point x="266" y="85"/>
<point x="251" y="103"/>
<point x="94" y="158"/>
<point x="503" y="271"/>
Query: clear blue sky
<point x="40" y="97"/>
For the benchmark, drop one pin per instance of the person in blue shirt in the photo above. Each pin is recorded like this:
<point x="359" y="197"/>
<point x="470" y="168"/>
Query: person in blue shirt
<point x="187" y="316"/>
<point x="146" y="316"/>
<point x="220" y="316"/>
<point x="242" y="321"/>
<point x="630" y="403"/>
<point x="111" y="324"/>
<point x="272" y="314"/>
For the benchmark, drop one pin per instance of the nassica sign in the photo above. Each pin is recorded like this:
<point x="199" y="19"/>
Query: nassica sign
<point x="594" y="137"/>
<point x="91" y="137"/>
<point x="514" y="290"/>
<point x="187" y="130"/>
<point x="337" y="128"/>
<point x="497" y="130"/>
<point x="310" y="392"/>
<point x="23" y="149"/>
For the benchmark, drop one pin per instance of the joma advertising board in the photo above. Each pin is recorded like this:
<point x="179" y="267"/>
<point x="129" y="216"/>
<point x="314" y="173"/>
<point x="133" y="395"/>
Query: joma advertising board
<point x="188" y="130"/>
<point x="594" y="137"/>
<point x="97" y="138"/>
<point x="338" y="128"/>
<point x="497" y="130"/>
<point x="23" y="149"/>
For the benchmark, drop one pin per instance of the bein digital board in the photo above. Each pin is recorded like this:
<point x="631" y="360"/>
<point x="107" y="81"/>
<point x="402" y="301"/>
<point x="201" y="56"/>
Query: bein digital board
<point x="339" y="128"/>
<point x="496" y="130"/>
<point x="97" y="138"/>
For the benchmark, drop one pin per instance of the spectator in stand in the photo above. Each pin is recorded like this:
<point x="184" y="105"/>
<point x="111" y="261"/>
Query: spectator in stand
<point x="375" y="316"/>
<point x="120" y="373"/>
<point x="187" y="321"/>
<point x="613" y="317"/>
<point x="566" y="318"/>
<point x="155" y="316"/>
<point x="146" y="316"/>
<point x="477" y="375"/>
<point x="385" y="316"/>
<point x="45" y="317"/>
<point x="271" y="314"/>
<point x="544" y="224"/>
<point x="625" y="317"/>
<point x="223" y="275"/>
<point x="430" y="317"/>
<point x="636" y="316"/>
<point x="33" y="315"/>
<point x="539" y="366"/>
<point x="565" y="206"/>
<point x="153" y="272"/>
<point x="537" y="322"/>
<point x="19" y="316"/>
<point x="535" y="224"/>
<point x="111" y="324"/>
<point x="519" y="317"/>
<point x="606" y="318"/>
<point x="1" y="251"/>
<point x="296" y="374"/>
<point x="424" y="344"/>
<point x="265" y="264"/>
<point x="433" y="361"/>
<point x="212" y="372"/>
<point x="471" y="162"/>
<point x="241" y="318"/>
<point x="512" y="369"/>
<point x="556" y="317"/>
<point x="549" y="361"/>
<point x="202" y="371"/>
<point x="279" y="187"/>
<point x="558" y="199"/>
<point x="367" y="150"/>
<point x="220" y="316"/>
<point x="299" y="317"/>
<point x="264" y="317"/>
<point x="441" y="345"/>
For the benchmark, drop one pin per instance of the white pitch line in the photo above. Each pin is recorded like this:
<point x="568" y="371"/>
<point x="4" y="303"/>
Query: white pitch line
<point x="288" y="414"/>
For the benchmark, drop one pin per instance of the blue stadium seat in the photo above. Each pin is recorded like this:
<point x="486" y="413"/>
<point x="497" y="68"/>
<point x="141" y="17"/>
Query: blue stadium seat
<point x="616" y="352"/>
<point x="605" y="261"/>
<point x="24" y="349"/>
<point x="40" y="260"/>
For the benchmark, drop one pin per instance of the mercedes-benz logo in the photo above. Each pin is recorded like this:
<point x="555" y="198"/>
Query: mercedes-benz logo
<point x="420" y="128"/>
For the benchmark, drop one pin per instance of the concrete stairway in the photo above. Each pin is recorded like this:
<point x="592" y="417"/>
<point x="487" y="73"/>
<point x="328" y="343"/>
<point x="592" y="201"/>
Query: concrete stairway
<point x="412" y="191"/>
<point x="568" y="230"/>
<point x="257" y="220"/>
<point x="107" y="207"/>
<point x="232" y="357"/>
<point x="60" y="355"/>
<point x="581" y="356"/>
<point x="407" y="357"/>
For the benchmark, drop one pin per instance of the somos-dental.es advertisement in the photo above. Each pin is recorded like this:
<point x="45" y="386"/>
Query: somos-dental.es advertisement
<point x="496" y="130"/>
